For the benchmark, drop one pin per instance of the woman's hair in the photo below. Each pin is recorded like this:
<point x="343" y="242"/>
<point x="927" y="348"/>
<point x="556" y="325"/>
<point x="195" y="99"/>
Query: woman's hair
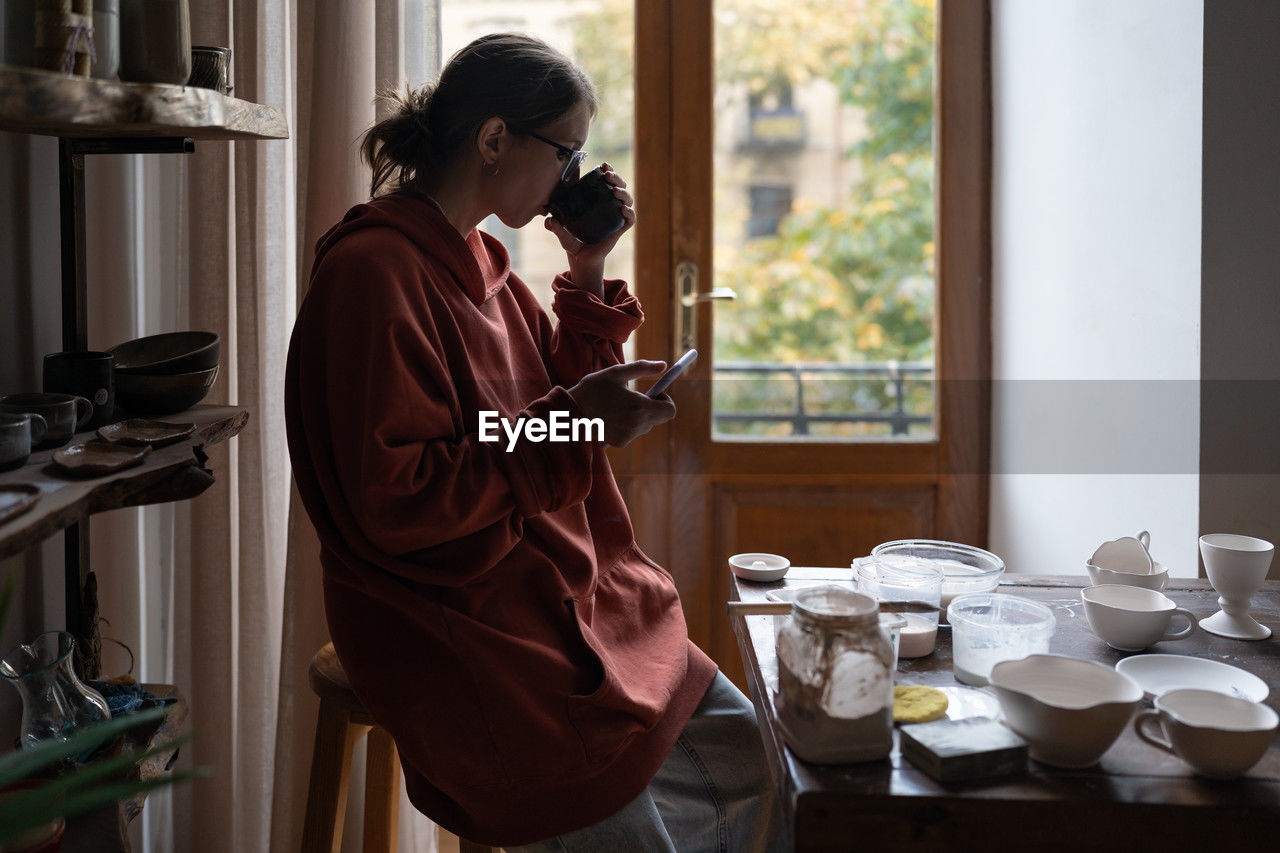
<point x="526" y="82"/>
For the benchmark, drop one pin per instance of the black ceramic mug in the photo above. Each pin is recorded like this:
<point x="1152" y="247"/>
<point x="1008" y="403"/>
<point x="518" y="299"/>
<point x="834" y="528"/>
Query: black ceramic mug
<point x="587" y="208"/>
<point x="84" y="374"/>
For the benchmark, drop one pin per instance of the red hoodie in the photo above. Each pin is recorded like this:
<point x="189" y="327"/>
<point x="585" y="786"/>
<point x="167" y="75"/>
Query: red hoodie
<point x="491" y="608"/>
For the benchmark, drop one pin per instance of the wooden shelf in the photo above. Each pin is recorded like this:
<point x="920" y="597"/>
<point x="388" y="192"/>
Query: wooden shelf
<point x="170" y="473"/>
<point x="51" y="104"/>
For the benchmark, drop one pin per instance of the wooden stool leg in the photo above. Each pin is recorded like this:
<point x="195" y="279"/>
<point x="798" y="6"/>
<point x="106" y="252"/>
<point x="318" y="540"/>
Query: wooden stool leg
<point x="330" y="774"/>
<point x="381" y="793"/>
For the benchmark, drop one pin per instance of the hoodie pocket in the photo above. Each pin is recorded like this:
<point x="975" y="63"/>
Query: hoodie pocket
<point x="634" y="629"/>
<point x="611" y="716"/>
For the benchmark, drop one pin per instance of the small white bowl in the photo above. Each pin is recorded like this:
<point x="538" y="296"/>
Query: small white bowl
<point x="1069" y="710"/>
<point x="1157" y="580"/>
<point x="760" y="568"/>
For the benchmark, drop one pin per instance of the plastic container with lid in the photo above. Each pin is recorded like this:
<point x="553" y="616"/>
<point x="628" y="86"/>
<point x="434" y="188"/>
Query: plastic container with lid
<point x="987" y="628"/>
<point x="965" y="569"/>
<point x="894" y="577"/>
<point x="835" y="678"/>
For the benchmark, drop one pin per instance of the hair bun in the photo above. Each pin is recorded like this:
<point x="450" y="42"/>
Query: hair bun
<point x="416" y="106"/>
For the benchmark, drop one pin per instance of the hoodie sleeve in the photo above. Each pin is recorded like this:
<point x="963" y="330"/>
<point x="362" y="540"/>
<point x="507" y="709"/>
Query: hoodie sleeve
<point x="590" y="332"/>
<point x="375" y="392"/>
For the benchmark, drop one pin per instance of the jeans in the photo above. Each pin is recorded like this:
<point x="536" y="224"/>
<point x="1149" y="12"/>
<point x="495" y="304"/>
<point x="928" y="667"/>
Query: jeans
<point x="712" y="793"/>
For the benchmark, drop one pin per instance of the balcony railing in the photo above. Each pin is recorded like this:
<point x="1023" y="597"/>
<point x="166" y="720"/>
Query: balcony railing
<point x="892" y="400"/>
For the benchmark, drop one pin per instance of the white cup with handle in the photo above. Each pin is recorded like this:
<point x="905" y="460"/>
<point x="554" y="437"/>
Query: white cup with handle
<point x="1131" y="618"/>
<point x="1220" y="736"/>
<point x="1126" y="554"/>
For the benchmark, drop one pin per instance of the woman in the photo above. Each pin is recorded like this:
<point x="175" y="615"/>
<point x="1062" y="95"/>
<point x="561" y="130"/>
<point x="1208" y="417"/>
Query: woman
<point x="490" y="605"/>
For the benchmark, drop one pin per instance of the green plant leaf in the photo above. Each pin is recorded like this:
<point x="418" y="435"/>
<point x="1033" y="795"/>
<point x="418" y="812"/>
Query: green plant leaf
<point x="14" y="822"/>
<point x="85" y="774"/>
<point x="21" y="764"/>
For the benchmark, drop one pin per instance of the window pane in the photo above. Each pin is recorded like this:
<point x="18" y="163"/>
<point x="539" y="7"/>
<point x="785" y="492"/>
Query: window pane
<point x="824" y="219"/>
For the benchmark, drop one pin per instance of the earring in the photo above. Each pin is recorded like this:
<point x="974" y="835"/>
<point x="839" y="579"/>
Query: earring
<point x="496" y="169"/>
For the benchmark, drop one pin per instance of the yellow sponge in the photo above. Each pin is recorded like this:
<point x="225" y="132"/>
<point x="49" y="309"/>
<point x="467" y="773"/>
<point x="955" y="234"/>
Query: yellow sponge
<point x="917" y="704"/>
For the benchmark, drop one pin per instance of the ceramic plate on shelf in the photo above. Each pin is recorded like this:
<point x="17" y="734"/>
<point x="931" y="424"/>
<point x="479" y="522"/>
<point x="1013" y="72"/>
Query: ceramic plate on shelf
<point x="1158" y="674"/>
<point x="17" y="498"/>
<point x="143" y="432"/>
<point x="94" y="458"/>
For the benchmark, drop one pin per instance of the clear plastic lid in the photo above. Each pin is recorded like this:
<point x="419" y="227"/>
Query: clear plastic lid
<point x="958" y="562"/>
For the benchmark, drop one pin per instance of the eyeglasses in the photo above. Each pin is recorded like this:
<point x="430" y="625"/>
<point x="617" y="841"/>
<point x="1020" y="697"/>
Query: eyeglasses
<point x="570" y="172"/>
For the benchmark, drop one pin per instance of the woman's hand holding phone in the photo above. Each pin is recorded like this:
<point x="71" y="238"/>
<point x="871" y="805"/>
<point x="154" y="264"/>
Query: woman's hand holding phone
<point x="627" y="414"/>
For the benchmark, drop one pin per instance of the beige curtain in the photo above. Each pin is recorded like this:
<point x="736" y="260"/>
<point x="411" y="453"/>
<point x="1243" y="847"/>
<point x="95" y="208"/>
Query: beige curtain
<point x="219" y="595"/>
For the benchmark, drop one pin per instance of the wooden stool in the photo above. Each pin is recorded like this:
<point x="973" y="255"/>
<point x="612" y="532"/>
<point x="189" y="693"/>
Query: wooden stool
<point x="342" y="722"/>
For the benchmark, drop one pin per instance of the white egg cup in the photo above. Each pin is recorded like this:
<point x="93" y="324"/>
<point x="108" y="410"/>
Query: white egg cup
<point x="1237" y="566"/>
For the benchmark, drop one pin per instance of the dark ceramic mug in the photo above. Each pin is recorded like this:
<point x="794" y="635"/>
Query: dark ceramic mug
<point x="63" y="414"/>
<point x="17" y="434"/>
<point x="84" y="374"/>
<point x="155" y="41"/>
<point x="587" y="208"/>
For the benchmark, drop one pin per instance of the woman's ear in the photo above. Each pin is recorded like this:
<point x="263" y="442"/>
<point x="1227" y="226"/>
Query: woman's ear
<point x="491" y="141"/>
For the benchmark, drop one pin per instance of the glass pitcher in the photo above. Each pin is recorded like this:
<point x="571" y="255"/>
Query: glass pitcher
<point x="55" y="703"/>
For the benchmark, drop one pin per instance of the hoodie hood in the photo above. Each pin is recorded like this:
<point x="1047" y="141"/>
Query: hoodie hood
<point x="479" y="263"/>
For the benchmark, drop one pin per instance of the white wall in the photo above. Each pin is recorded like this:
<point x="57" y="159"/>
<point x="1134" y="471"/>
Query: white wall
<point x="1096" y="210"/>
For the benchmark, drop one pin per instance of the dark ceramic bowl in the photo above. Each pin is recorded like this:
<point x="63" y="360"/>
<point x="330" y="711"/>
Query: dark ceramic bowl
<point x="167" y="354"/>
<point x="162" y="395"/>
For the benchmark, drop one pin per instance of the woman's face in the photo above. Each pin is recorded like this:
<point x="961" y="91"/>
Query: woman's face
<point x="532" y="168"/>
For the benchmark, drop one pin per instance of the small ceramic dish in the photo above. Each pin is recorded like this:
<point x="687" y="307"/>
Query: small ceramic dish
<point x="1069" y="710"/>
<point x="761" y="568"/>
<point x="140" y="432"/>
<point x="95" y="458"/>
<point x="17" y="498"/>
<point x="1158" y="674"/>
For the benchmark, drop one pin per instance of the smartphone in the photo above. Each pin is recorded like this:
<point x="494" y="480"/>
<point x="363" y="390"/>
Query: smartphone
<point x="672" y="374"/>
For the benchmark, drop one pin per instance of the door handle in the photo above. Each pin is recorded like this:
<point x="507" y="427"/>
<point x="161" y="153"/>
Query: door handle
<point x="686" y="331"/>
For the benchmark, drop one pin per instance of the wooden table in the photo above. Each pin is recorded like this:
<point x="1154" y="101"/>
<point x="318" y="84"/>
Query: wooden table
<point x="1136" y="799"/>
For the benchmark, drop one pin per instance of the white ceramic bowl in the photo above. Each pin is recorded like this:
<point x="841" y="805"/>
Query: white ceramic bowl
<point x="1157" y="580"/>
<point x="761" y="568"/>
<point x="1220" y="736"/>
<point x="1068" y="710"/>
